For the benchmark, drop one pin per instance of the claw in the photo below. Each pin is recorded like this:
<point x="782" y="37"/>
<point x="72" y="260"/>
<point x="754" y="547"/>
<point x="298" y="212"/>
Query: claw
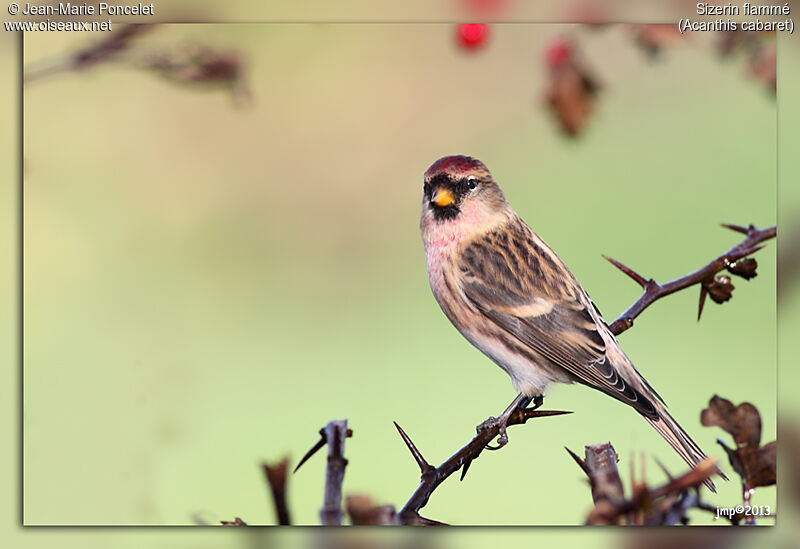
<point x="502" y="440"/>
<point x="500" y="423"/>
<point x="492" y="423"/>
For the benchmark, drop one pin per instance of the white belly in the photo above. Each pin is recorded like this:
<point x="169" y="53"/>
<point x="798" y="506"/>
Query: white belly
<point x="527" y="377"/>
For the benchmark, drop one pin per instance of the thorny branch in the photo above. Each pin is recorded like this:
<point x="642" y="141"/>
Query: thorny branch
<point x="665" y="505"/>
<point x="331" y="512"/>
<point x="600" y="465"/>
<point x="719" y="288"/>
<point x="432" y="476"/>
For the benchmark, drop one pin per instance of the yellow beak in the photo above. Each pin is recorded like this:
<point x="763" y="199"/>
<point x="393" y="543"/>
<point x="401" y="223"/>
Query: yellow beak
<point x="442" y="197"/>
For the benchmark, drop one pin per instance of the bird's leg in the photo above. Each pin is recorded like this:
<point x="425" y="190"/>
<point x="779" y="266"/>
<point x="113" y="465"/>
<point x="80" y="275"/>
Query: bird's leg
<point x="519" y="403"/>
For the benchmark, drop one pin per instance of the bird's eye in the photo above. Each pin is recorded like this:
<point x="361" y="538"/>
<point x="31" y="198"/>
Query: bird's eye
<point x="425" y="188"/>
<point x="472" y="183"/>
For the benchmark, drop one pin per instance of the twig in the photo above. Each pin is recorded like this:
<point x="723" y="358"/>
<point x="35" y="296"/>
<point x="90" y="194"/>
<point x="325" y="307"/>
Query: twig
<point x="276" y="478"/>
<point x="695" y="477"/>
<point x="666" y="504"/>
<point x="432" y="477"/>
<point x="106" y="49"/>
<point x="705" y="275"/>
<point x="601" y="460"/>
<point x="676" y="513"/>
<point x="335" y="434"/>
<point x="197" y="67"/>
<point x="600" y="466"/>
<point x="323" y="439"/>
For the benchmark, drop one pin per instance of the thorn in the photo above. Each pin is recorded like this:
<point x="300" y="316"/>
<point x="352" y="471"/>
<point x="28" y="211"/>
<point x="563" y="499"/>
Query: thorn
<point x="643" y="464"/>
<point x="628" y="271"/>
<point x="580" y="462"/>
<point x="320" y="443"/>
<point x="632" y="470"/>
<point x="235" y="522"/>
<point x="424" y="466"/>
<point x="544" y="413"/>
<point x="430" y="522"/>
<point x="663" y="468"/>
<point x="464" y="469"/>
<point x="703" y="293"/>
<point x="744" y="253"/>
<point x="737" y="228"/>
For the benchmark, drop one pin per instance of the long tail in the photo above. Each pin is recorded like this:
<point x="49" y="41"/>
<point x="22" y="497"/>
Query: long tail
<point x="680" y="441"/>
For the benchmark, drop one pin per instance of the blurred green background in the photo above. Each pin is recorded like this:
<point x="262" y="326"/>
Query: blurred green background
<point x="206" y="285"/>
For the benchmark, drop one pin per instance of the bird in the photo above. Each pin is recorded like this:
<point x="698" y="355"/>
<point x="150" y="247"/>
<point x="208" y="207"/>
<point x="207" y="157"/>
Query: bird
<point x="508" y="293"/>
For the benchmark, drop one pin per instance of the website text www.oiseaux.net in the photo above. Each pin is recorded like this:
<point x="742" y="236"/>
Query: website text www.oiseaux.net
<point x="55" y="26"/>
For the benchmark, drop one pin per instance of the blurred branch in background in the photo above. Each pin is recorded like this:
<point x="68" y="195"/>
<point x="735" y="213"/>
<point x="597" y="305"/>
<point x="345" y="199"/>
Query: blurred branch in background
<point x="653" y="39"/>
<point x="572" y="89"/>
<point x="759" y="52"/>
<point x="99" y="52"/>
<point x="364" y="512"/>
<point x="196" y="66"/>
<point x="663" y="506"/>
<point x="669" y="504"/>
<point x="199" y="66"/>
<point x="276" y="475"/>
<point x="572" y="92"/>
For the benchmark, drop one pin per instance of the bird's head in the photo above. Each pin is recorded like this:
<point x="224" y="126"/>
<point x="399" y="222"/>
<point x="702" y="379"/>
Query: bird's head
<point x="457" y="187"/>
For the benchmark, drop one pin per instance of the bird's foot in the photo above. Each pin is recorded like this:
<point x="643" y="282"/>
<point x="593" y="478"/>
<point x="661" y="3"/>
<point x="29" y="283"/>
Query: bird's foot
<point x="501" y="423"/>
<point x="498" y="423"/>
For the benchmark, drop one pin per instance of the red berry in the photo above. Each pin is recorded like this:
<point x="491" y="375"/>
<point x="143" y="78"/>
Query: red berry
<point x="558" y="52"/>
<point x="472" y="35"/>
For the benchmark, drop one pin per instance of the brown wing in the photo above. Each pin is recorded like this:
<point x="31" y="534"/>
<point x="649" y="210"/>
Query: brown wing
<point x="517" y="282"/>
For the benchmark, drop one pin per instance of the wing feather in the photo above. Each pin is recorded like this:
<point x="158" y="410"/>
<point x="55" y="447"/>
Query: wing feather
<point x="521" y="286"/>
